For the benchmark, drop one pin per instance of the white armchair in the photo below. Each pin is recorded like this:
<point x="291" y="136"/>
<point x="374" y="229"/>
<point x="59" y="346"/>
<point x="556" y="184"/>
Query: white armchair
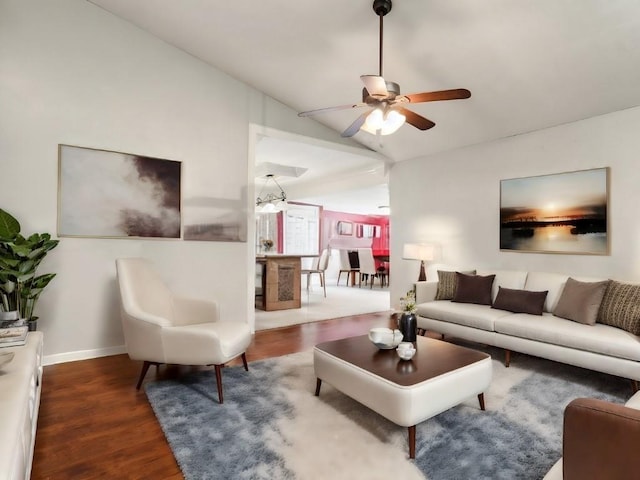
<point x="160" y="327"/>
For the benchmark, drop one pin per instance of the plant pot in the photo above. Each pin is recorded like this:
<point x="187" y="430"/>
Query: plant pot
<point x="10" y="315"/>
<point x="32" y="325"/>
<point x="408" y="325"/>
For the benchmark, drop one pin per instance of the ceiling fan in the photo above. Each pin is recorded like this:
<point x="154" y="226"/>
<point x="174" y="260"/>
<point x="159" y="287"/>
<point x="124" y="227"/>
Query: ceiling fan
<point x="387" y="112"/>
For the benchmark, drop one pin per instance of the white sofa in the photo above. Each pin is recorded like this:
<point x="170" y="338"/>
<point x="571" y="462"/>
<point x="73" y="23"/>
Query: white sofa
<point x="597" y="347"/>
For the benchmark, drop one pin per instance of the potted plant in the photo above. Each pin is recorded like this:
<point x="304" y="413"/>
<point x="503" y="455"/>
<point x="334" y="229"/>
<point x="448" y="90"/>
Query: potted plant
<point x="20" y="257"/>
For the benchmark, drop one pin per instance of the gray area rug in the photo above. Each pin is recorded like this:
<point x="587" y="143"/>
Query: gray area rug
<point x="271" y="426"/>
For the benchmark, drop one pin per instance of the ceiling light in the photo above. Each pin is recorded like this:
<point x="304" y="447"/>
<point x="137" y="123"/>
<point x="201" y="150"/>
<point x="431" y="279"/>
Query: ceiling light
<point x="385" y="122"/>
<point x="271" y="202"/>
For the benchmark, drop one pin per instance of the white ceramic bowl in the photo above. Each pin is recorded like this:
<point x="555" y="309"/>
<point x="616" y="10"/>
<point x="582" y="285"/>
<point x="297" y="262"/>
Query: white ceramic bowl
<point x="385" y="338"/>
<point x="406" y="353"/>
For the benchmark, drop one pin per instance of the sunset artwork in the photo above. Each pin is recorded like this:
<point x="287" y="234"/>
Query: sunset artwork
<point x="117" y="195"/>
<point x="560" y="213"/>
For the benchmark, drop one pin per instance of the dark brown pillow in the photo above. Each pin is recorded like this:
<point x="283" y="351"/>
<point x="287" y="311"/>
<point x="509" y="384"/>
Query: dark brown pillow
<point x="447" y="284"/>
<point x="580" y="301"/>
<point x="473" y="289"/>
<point x="620" y="307"/>
<point x="520" y="301"/>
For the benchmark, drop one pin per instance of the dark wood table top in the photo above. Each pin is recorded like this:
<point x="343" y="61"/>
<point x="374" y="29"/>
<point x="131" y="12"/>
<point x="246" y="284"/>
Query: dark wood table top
<point x="432" y="358"/>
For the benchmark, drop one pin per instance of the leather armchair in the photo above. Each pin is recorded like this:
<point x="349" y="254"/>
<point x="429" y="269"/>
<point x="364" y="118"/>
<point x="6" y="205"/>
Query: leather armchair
<point x="160" y="327"/>
<point x="600" y="441"/>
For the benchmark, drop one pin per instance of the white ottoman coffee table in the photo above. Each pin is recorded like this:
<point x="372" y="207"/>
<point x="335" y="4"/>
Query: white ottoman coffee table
<point x="440" y="376"/>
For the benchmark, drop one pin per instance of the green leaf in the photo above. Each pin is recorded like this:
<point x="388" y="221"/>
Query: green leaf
<point x="9" y="226"/>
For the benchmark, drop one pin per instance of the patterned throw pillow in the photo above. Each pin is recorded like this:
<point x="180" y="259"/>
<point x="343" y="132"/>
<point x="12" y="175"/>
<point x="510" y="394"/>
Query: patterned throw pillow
<point x="447" y="284"/>
<point x="620" y="307"/>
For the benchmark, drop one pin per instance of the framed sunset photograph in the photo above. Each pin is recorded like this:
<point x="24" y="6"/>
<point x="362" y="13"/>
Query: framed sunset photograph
<point x="558" y="213"/>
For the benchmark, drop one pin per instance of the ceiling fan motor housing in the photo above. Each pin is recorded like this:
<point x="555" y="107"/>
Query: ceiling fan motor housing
<point x="393" y="90"/>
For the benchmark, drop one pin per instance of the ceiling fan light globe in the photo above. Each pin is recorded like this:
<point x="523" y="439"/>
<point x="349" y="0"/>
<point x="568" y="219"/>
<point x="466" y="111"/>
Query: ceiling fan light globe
<point x="374" y="121"/>
<point x="392" y="122"/>
<point x="383" y="123"/>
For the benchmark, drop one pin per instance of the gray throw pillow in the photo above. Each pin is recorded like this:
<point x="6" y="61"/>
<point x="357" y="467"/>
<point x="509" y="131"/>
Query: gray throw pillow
<point x="473" y="289"/>
<point x="520" y="301"/>
<point x="580" y="301"/>
<point x="447" y="284"/>
<point x="620" y="307"/>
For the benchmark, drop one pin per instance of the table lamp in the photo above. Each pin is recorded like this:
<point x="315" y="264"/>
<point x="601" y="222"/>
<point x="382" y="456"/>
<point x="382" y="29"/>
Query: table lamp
<point x="418" y="251"/>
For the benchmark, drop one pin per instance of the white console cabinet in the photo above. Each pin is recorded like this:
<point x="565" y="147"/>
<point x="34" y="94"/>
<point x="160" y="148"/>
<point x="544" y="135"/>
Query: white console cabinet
<point x="20" y="386"/>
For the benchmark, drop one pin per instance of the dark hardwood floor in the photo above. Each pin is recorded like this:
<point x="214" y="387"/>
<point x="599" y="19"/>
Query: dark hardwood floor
<point x="93" y="424"/>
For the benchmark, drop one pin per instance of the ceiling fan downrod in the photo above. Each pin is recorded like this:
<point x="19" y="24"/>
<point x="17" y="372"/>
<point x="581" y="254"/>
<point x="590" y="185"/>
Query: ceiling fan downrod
<point x="381" y="7"/>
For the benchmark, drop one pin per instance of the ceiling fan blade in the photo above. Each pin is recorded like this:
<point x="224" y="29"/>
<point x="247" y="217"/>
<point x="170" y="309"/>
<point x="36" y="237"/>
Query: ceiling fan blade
<point x="308" y="113"/>
<point x="355" y="126"/>
<point x="375" y="85"/>
<point x="455" y="94"/>
<point x="416" y="120"/>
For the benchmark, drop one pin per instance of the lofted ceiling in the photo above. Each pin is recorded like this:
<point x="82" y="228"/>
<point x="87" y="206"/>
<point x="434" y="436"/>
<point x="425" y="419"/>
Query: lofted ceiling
<point x="340" y="179"/>
<point x="530" y="64"/>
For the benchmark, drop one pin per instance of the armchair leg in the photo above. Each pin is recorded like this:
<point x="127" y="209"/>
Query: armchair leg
<point x="145" y="369"/>
<point x="507" y="358"/>
<point x="244" y="361"/>
<point x="219" y="382"/>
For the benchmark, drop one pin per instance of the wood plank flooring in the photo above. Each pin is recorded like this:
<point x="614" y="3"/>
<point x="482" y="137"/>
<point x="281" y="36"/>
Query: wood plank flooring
<point x="93" y="424"/>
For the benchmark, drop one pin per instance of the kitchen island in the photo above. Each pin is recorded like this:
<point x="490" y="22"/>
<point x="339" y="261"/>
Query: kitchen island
<point x="278" y="282"/>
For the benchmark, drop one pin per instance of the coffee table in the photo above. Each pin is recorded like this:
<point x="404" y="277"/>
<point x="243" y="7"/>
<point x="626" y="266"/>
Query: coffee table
<point x="407" y="392"/>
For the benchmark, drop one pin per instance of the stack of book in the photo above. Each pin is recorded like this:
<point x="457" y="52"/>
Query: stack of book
<point x="14" y="334"/>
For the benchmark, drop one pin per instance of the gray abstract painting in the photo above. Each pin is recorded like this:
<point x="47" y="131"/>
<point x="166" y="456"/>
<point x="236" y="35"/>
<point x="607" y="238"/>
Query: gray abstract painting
<point x="117" y="195"/>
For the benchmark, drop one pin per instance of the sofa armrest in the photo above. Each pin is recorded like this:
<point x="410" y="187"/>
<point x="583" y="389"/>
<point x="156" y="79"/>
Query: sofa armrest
<point x="600" y="440"/>
<point x="426" y="291"/>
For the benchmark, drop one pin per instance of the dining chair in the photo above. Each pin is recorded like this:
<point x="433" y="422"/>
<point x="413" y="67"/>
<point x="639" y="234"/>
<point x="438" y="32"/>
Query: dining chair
<point x="162" y="328"/>
<point x="319" y="267"/>
<point x="368" y="269"/>
<point x="345" y="266"/>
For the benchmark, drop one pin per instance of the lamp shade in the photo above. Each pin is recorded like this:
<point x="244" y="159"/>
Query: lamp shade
<point x="417" y="251"/>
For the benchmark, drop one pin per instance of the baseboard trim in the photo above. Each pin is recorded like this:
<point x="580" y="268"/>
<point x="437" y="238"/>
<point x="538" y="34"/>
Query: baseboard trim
<point x="83" y="355"/>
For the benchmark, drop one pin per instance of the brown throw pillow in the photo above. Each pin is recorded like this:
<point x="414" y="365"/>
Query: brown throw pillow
<point x="580" y="301"/>
<point x="473" y="289"/>
<point x="520" y="301"/>
<point x="620" y="307"/>
<point x="447" y="284"/>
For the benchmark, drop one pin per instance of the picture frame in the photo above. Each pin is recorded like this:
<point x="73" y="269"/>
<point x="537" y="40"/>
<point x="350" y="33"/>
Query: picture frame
<point x="109" y="194"/>
<point x="345" y="228"/>
<point x="556" y="213"/>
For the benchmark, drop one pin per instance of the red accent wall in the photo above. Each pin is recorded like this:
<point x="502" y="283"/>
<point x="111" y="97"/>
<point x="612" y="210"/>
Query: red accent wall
<point x="331" y="238"/>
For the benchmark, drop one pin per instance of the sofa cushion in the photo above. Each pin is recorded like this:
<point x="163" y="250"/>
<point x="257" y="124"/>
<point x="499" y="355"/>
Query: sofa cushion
<point x="520" y="301"/>
<point x="467" y="314"/>
<point x="553" y="282"/>
<point x="580" y="301"/>
<point x="447" y="283"/>
<point x="548" y="328"/>
<point x="620" y="307"/>
<point x="473" y="289"/>
<point x="505" y="278"/>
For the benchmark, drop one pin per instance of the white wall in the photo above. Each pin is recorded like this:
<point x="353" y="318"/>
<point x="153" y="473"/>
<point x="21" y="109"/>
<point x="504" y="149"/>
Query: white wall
<point x="453" y="199"/>
<point x="72" y="73"/>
